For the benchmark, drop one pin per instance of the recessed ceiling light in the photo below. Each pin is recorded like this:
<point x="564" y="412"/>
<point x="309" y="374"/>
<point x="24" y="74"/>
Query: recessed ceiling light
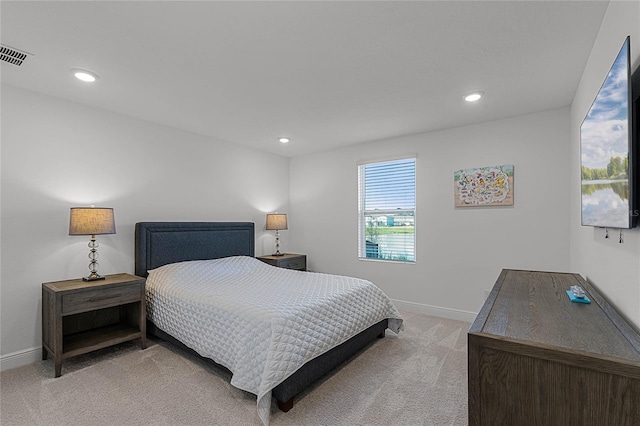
<point x="284" y="140"/>
<point x="84" y="75"/>
<point x="473" y="96"/>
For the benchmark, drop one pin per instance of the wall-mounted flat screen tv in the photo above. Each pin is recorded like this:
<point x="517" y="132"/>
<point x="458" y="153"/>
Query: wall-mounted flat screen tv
<point x="606" y="148"/>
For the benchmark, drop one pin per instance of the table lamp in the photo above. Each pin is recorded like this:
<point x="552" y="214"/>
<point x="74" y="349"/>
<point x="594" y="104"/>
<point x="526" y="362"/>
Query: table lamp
<point x="92" y="221"/>
<point x="277" y="221"/>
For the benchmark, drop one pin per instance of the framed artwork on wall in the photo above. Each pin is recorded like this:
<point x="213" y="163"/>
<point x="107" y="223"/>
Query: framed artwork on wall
<point x="484" y="186"/>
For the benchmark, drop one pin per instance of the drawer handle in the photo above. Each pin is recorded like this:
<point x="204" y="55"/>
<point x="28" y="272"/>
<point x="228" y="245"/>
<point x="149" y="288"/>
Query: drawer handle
<point x="107" y="297"/>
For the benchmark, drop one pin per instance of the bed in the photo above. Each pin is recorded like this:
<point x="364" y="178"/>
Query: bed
<point x="192" y="265"/>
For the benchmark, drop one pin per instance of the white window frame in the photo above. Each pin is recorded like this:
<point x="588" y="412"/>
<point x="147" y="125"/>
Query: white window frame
<point x="362" y="233"/>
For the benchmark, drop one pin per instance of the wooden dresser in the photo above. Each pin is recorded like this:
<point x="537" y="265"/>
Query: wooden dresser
<point x="536" y="358"/>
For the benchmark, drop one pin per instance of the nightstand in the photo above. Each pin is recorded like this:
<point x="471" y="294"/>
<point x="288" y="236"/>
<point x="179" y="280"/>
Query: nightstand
<point x="80" y="316"/>
<point x="288" y="261"/>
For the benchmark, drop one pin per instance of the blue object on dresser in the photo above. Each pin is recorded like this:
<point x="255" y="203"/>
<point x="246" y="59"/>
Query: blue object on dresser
<point x="575" y="299"/>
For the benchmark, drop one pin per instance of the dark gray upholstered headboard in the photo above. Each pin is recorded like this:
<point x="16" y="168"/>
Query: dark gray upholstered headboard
<point x="161" y="243"/>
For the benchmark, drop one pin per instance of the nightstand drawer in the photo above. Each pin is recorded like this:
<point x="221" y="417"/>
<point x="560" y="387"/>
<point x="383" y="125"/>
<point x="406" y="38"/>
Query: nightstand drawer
<point x="100" y="298"/>
<point x="296" y="263"/>
<point x="287" y="261"/>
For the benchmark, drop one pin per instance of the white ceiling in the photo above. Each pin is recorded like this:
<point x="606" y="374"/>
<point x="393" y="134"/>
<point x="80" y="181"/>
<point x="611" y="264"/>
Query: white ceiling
<point x="326" y="74"/>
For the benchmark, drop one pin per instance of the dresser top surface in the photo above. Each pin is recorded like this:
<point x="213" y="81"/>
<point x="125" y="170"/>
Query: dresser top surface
<point x="533" y="306"/>
<point x="79" y="284"/>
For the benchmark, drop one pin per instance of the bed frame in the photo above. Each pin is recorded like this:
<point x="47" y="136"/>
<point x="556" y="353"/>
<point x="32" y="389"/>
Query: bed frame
<point x="161" y="243"/>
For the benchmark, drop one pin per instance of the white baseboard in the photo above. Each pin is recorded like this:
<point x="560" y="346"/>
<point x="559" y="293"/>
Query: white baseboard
<point x="20" y="358"/>
<point x="436" y="311"/>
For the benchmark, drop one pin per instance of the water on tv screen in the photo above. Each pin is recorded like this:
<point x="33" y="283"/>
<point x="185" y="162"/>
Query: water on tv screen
<point x="605" y="145"/>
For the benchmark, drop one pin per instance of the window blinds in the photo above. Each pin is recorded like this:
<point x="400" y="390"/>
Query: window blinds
<point x="386" y="210"/>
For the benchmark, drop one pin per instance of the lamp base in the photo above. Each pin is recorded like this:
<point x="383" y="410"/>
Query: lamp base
<point x="93" y="277"/>
<point x="277" y="254"/>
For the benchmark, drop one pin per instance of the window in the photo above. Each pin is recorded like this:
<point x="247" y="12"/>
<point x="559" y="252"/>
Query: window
<point x="386" y="210"/>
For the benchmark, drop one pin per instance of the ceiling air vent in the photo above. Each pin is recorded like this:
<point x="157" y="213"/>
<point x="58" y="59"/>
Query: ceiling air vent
<point x="12" y="55"/>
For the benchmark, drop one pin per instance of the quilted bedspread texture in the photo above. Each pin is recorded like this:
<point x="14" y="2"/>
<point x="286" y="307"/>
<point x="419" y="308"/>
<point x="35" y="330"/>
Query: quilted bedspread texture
<point x="261" y="322"/>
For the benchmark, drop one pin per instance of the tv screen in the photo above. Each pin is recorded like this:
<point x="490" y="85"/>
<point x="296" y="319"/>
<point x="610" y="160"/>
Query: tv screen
<point x="606" y="151"/>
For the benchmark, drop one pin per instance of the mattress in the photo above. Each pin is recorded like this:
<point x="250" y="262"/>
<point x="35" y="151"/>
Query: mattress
<point x="261" y="322"/>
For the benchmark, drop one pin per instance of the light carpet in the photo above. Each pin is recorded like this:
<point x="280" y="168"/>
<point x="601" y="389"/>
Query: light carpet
<point x="418" y="377"/>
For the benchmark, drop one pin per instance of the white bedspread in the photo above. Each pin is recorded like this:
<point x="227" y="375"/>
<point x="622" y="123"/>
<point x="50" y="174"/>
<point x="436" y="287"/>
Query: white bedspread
<point x="261" y="322"/>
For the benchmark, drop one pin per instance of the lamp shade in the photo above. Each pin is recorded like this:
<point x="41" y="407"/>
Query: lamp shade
<point x="276" y="221"/>
<point x="91" y="221"/>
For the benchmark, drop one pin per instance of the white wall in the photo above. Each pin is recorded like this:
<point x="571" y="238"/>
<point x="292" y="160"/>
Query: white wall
<point x="57" y="154"/>
<point x="612" y="267"/>
<point x="460" y="252"/>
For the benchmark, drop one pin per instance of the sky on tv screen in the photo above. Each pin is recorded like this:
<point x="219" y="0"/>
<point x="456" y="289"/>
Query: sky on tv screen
<point x="604" y="132"/>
